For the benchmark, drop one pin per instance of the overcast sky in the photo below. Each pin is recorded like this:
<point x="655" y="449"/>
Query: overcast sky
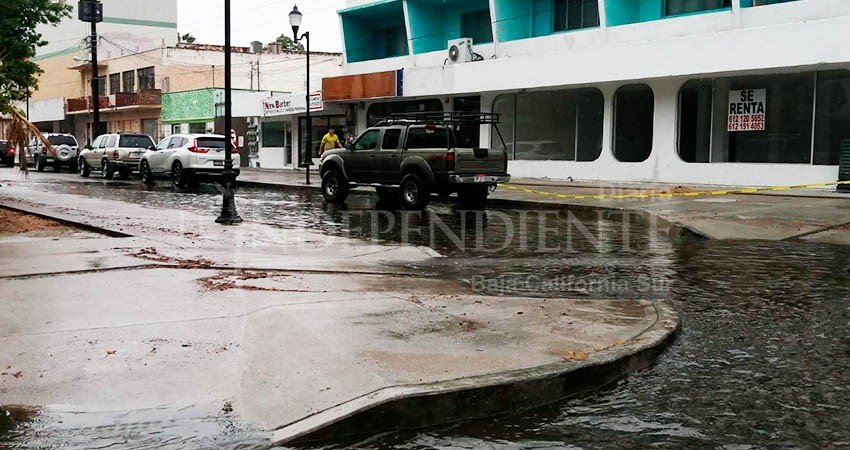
<point x="261" y="20"/>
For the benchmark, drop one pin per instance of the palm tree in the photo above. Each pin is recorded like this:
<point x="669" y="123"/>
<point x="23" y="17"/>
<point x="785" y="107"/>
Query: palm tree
<point x="19" y="131"/>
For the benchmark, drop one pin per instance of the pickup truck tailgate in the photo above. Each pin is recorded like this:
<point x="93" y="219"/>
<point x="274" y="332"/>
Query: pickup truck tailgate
<point x="479" y="160"/>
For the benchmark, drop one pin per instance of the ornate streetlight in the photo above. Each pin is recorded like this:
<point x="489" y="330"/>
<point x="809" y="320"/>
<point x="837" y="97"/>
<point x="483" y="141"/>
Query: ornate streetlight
<point x="228" y="216"/>
<point x="295" y="18"/>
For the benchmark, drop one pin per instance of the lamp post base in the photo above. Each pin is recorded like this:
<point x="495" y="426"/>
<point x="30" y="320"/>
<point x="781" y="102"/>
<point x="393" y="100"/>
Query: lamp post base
<point x="229" y="215"/>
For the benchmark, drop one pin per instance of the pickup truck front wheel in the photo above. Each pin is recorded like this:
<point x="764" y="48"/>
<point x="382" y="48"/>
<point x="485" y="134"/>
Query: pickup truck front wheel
<point x="334" y="187"/>
<point x="413" y="192"/>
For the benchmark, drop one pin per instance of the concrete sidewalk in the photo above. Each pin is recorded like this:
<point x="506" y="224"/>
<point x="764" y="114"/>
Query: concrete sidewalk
<point x="820" y="215"/>
<point x="270" y="327"/>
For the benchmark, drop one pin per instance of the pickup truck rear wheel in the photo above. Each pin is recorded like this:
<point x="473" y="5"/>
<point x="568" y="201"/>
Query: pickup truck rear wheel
<point x="474" y="196"/>
<point x="414" y="193"/>
<point x="334" y="187"/>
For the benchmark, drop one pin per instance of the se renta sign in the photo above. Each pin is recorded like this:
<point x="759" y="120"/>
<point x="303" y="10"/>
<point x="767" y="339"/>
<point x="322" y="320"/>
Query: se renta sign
<point x="747" y="110"/>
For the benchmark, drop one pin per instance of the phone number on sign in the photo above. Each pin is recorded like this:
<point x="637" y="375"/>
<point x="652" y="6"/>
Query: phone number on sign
<point x="754" y="122"/>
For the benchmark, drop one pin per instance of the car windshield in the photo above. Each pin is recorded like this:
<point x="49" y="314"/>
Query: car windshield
<point x="139" y="141"/>
<point x="210" y="142"/>
<point x="62" y="140"/>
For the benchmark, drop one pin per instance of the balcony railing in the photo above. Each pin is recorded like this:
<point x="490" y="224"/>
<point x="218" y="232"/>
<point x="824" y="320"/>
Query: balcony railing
<point x="119" y="100"/>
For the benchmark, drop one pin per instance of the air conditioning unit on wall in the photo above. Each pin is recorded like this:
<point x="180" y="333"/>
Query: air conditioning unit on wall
<point x="460" y="50"/>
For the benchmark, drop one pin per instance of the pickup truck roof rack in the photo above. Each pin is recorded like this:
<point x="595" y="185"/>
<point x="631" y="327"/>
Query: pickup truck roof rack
<point x="439" y="118"/>
<point x="453" y="119"/>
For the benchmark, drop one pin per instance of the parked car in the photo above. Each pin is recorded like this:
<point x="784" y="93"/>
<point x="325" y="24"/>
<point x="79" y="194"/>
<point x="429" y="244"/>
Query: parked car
<point x="66" y="152"/>
<point x="408" y="160"/>
<point x="111" y="153"/>
<point x="7" y="154"/>
<point x="185" y="158"/>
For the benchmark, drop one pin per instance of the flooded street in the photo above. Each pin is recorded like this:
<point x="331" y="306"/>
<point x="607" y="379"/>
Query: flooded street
<point x="762" y="361"/>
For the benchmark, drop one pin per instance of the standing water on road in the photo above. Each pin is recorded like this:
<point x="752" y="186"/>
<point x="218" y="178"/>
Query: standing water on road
<point x="763" y="359"/>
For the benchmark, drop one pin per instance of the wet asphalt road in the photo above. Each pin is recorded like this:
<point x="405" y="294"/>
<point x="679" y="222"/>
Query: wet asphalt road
<point x="763" y="360"/>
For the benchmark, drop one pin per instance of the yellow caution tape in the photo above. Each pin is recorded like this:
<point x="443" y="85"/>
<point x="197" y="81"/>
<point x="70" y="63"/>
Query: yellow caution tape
<point x="674" y="194"/>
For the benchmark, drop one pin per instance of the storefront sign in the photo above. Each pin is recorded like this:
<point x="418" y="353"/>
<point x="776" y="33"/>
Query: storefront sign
<point x="747" y="110"/>
<point x="364" y="86"/>
<point x="291" y="104"/>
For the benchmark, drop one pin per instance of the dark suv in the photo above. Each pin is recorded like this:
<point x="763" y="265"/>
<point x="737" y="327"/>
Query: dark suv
<point x="410" y="156"/>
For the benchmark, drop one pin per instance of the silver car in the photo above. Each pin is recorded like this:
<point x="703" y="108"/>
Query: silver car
<point x="66" y="148"/>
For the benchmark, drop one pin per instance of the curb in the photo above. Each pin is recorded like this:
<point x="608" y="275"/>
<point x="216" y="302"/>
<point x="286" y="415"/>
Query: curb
<point x="68" y="222"/>
<point x="421" y="406"/>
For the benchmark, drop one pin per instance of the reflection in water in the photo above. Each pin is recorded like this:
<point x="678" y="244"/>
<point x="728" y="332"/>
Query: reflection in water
<point x="763" y="360"/>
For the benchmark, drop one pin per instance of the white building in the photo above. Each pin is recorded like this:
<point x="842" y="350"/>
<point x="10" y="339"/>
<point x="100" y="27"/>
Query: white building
<point x="740" y="92"/>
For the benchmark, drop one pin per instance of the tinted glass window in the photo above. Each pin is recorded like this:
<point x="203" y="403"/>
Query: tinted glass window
<point x="112" y="141"/>
<point x="135" y="141"/>
<point x="62" y="140"/>
<point x="391" y="138"/>
<point x="368" y="141"/>
<point x="634" y="108"/>
<point x="163" y="144"/>
<point x="209" y="142"/>
<point x="429" y="137"/>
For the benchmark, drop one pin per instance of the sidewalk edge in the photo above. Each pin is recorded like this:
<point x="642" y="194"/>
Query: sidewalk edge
<point x="419" y="406"/>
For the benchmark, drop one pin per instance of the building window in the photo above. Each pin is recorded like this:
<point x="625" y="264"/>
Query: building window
<point x="715" y="126"/>
<point x="147" y="80"/>
<point x="101" y="86"/>
<point x="563" y="125"/>
<point x="198" y="128"/>
<point x="575" y="14"/>
<point x="477" y="25"/>
<point x="832" y="118"/>
<point x="395" y="40"/>
<point x="695" y="103"/>
<point x="115" y="83"/>
<point x="129" y="79"/>
<point x="748" y="3"/>
<point x="379" y="111"/>
<point x="150" y="127"/>
<point x="634" y="109"/>
<point x="673" y="7"/>
<point x="273" y="134"/>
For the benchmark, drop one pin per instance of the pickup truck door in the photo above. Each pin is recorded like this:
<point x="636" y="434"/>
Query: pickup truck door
<point x="387" y="159"/>
<point x="360" y="165"/>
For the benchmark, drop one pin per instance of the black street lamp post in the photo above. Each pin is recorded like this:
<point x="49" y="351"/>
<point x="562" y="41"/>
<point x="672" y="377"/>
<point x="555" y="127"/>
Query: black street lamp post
<point x="295" y="20"/>
<point x="229" y="215"/>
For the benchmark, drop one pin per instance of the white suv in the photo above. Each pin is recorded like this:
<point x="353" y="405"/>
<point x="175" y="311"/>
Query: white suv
<point x="66" y="152"/>
<point x="186" y="157"/>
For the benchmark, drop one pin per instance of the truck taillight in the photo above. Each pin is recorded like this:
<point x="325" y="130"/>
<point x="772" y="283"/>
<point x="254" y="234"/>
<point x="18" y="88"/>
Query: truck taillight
<point x="450" y="160"/>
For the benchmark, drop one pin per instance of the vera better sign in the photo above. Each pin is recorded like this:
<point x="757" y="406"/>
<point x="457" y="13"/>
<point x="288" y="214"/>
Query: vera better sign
<point x="747" y="110"/>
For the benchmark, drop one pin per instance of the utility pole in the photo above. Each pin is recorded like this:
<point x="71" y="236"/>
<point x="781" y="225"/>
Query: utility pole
<point x="92" y="11"/>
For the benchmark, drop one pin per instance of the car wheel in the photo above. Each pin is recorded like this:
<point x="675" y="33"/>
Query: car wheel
<point x="39" y="164"/>
<point x="474" y="196"/>
<point x="334" y="187"/>
<point x="178" y="175"/>
<point x="414" y="193"/>
<point x="83" y="168"/>
<point x="387" y="195"/>
<point x="107" y="170"/>
<point x="145" y="172"/>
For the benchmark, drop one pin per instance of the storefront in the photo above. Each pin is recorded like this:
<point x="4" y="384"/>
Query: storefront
<point x="284" y="125"/>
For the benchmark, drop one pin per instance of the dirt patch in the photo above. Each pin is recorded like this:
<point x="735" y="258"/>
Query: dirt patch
<point x="151" y="254"/>
<point x="248" y="281"/>
<point x="13" y="223"/>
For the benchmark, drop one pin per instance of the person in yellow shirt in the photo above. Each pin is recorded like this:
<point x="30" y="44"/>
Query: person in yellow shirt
<point x="330" y="141"/>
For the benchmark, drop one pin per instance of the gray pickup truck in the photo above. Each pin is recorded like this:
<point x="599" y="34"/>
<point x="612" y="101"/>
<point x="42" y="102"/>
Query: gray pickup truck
<point x="409" y="159"/>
